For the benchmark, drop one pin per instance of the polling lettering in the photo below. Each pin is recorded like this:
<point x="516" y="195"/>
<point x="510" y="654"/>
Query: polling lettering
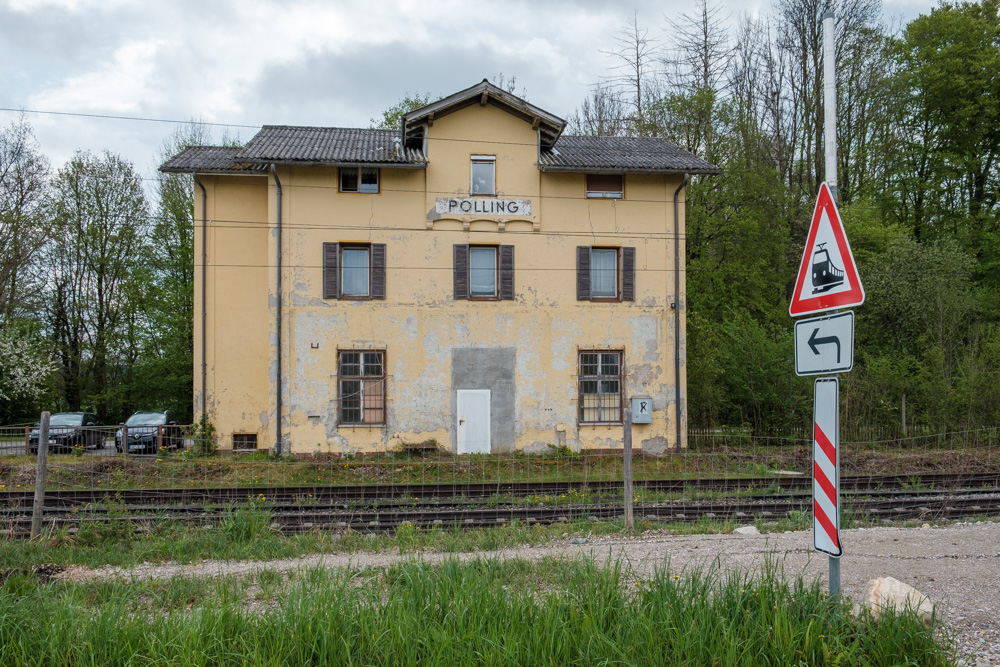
<point x="482" y="206"/>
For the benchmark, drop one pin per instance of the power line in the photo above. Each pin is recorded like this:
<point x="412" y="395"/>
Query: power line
<point x="135" y="118"/>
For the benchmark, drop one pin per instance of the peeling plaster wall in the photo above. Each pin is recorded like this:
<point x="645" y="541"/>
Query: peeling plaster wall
<point x="421" y="327"/>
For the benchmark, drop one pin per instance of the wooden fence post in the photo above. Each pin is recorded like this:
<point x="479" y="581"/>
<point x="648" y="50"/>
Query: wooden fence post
<point x="629" y="519"/>
<point x="43" y="449"/>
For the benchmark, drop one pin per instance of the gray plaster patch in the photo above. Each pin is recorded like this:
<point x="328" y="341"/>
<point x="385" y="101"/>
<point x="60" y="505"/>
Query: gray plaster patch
<point x="656" y="445"/>
<point x="487" y="368"/>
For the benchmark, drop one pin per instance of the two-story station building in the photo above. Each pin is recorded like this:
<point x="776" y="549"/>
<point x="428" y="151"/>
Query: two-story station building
<point x="473" y="277"/>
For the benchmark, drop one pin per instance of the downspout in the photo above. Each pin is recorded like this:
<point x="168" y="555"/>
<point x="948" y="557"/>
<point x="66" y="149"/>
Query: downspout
<point x="677" y="306"/>
<point x="204" y="296"/>
<point x="277" y="445"/>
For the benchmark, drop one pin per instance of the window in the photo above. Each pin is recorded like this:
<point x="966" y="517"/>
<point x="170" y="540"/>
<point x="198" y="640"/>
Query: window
<point x="600" y="387"/>
<point x="605" y="186"/>
<point x="362" y="387"/>
<point x="359" y="179"/>
<point x="353" y="271"/>
<point x="605" y="274"/>
<point x="244" y="441"/>
<point x="484" y="175"/>
<point x="484" y="272"/>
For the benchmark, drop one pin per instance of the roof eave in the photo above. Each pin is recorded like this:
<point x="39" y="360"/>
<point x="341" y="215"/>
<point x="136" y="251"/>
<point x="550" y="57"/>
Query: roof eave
<point x="619" y="170"/>
<point x="342" y="163"/>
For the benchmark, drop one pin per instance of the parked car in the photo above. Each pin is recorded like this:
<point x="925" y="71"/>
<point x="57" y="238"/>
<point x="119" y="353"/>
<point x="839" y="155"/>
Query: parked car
<point x="67" y="429"/>
<point x="148" y="431"/>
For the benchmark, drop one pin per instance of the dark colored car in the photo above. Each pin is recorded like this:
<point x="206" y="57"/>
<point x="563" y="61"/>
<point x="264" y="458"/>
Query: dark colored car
<point x="67" y="429"/>
<point x="148" y="431"/>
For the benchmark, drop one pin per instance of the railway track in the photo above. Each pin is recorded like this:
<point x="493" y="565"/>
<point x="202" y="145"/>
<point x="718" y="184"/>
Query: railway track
<point x="474" y="490"/>
<point x="896" y="505"/>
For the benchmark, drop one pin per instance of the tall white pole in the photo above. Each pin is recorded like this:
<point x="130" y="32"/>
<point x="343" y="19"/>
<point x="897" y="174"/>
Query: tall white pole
<point x="830" y="101"/>
<point x="830" y="127"/>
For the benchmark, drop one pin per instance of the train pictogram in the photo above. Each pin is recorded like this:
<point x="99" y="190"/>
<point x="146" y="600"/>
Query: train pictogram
<point x="825" y="274"/>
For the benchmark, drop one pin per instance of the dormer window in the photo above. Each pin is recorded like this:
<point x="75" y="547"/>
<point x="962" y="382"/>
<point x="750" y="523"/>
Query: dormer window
<point x="359" y="179"/>
<point x="484" y="175"/>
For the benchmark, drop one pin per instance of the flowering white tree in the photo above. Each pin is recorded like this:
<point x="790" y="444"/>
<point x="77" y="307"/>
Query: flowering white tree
<point x="24" y="367"/>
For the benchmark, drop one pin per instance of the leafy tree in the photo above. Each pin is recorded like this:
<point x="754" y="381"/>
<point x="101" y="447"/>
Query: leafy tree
<point x="101" y="218"/>
<point x="391" y="117"/>
<point x="24" y="227"/>
<point x="25" y="368"/>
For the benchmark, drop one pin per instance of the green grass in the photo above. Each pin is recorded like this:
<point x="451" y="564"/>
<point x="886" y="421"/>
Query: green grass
<point x="486" y="611"/>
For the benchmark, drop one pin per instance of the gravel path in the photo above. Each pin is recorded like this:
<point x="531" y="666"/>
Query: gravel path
<point x="957" y="567"/>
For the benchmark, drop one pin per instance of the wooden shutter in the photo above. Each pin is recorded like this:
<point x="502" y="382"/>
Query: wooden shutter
<point x="506" y="272"/>
<point x="583" y="273"/>
<point x="628" y="274"/>
<point x="378" y="271"/>
<point x="461" y="270"/>
<point x="331" y="270"/>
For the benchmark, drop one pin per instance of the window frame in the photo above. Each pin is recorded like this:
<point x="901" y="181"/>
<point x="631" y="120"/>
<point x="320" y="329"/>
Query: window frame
<point x="604" y="194"/>
<point x="624" y="274"/>
<point x="599" y="378"/>
<point x="341" y="171"/>
<point x="475" y="159"/>
<point x="333" y="271"/>
<point x="496" y="273"/>
<point x="462" y="272"/>
<point x="361" y="379"/>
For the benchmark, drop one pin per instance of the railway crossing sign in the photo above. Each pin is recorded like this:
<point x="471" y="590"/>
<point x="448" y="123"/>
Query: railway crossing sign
<point x="828" y="277"/>
<point x="825" y="344"/>
<point x="826" y="467"/>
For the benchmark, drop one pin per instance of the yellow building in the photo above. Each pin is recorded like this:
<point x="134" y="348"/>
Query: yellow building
<point x="474" y="278"/>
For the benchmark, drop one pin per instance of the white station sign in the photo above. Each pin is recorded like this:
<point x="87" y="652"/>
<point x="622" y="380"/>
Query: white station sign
<point x="482" y="206"/>
<point x="825" y="344"/>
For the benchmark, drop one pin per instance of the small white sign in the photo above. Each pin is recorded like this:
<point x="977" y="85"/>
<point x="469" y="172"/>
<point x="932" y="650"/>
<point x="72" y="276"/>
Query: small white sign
<point x="825" y="344"/>
<point x="482" y="206"/>
<point x="642" y="410"/>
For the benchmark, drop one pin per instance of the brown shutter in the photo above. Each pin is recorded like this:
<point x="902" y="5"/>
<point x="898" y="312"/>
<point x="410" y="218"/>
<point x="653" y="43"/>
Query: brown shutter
<point x="628" y="274"/>
<point x="583" y="273"/>
<point x="331" y="271"/>
<point x="378" y="271"/>
<point x="506" y="272"/>
<point x="461" y="270"/>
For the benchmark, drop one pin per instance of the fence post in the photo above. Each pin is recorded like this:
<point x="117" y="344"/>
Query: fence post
<point x="629" y="519"/>
<point x="27" y="440"/>
<point x="43" y="449"/>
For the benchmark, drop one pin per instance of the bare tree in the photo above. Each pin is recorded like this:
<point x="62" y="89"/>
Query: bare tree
<point x="636" y="55"/>
<point x="602" y="114"/>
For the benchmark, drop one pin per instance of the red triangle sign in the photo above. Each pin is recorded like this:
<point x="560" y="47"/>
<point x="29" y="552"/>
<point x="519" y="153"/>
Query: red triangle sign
<point x="828" y="277"/>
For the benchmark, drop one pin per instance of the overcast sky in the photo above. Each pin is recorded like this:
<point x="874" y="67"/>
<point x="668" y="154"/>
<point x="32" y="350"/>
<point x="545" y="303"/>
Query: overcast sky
<point x="251" y="62"/>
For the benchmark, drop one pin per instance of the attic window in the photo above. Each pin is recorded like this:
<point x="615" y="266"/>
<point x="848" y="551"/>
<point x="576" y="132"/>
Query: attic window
<point x="484" y="175"/>
<point x="605" y="186"/>
<point x="359" y="179"/>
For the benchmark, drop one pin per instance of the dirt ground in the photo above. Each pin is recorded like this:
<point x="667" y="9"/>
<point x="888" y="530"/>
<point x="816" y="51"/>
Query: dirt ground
<point x="956" y="566"/>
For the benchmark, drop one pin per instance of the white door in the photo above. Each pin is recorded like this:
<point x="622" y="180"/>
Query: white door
<point x="473" y="421"/>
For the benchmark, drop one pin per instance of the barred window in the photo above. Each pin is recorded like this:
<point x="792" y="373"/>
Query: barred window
<point x="600" y="388"/>
<point x="362" y="387"/>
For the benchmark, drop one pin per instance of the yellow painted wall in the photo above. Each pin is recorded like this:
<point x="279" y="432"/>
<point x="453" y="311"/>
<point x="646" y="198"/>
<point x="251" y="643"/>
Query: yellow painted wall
<point x="419" y="323"/>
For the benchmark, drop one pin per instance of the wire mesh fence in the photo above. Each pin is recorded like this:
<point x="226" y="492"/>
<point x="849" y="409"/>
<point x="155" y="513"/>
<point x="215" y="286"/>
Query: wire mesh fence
<point x="176" y="456"/>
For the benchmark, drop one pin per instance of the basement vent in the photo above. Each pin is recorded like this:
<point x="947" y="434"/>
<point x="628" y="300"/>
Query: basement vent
<point x="244" y="441"/>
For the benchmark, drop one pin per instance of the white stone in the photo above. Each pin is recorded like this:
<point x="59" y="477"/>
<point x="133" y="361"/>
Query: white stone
<point x="886" y="593"/>
<point x="747" y="530"/>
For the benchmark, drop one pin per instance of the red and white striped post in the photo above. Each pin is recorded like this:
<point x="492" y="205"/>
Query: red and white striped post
<point x="826" y="470"/>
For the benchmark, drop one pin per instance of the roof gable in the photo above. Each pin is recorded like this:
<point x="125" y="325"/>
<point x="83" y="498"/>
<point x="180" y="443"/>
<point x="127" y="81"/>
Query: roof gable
<point x="549" y="125"/>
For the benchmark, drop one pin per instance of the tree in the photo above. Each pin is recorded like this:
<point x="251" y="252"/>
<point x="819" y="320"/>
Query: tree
<point x="101" y="217"/>
<point x="391" y="117"/>
<point x="25" y="368"/>
<point x="23" y="226"/>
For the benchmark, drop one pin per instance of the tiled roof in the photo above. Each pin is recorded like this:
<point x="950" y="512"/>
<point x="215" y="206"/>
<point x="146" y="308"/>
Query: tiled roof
<point x="210" y="159"/>
<point x="329" y="145"/>
<point x="622" y="154"/>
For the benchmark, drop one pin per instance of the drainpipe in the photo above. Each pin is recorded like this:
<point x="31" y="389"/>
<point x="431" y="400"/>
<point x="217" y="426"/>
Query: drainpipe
<point x="277" y="445"/>
<point x="677" y="305"/>
<point x="204" y="294"/>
